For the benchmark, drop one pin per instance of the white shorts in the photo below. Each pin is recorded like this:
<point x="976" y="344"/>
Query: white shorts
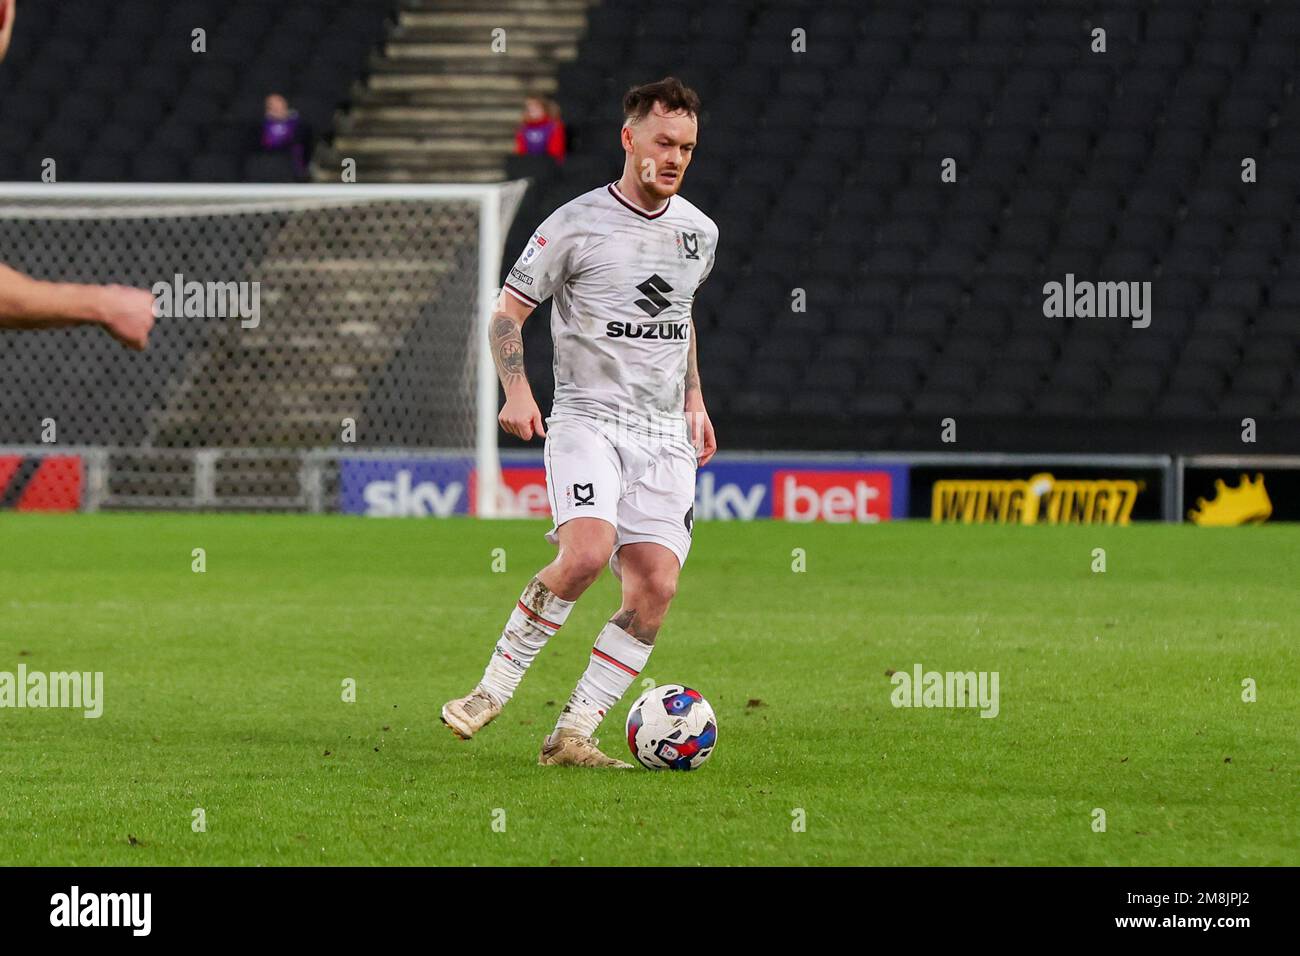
<point x="646" y="490"/>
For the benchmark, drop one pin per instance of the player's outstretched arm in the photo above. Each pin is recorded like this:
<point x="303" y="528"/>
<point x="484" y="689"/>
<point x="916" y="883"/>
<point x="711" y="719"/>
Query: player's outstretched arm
<point x="26" y="303"/>
<point x="520" y="415"/>
<point x="702" y="436"/>
<point x="6" y="24"/>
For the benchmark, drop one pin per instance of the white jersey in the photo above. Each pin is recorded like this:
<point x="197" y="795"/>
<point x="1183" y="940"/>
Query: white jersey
<point x="623" y="280"/>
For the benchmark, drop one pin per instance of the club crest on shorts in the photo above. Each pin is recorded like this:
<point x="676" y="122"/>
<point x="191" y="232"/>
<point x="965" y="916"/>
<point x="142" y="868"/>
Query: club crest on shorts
<point x="583" y="495"/>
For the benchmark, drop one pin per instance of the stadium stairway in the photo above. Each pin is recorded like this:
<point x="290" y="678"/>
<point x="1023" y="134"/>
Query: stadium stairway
<point x="440" y="104"/>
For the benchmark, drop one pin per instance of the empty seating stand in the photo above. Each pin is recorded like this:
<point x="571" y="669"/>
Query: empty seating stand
<point x="117" y="92"/>
<point x="925" y="298"/>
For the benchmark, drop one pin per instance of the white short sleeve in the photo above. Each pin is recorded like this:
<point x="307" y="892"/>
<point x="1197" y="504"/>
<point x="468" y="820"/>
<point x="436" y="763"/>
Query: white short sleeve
<point x="544" y="265"/>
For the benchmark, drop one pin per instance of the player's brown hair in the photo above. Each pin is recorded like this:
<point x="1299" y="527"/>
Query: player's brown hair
<point x="670" y="93"/>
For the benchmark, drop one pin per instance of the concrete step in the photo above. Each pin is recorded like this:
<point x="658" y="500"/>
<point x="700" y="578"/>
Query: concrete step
<point x="372" y="157"/>
<point x="519" y="51"/>
<point x="408" y="127"/>
<point x="443" y="166"/>
<point x="414" y="24"/>
<point x="540" y="7"/>
<point x="449" y="100"/>
<point x="451" y="113"/>
<point x="285" y="430"/>
<point x="348" y="272"/>
<point x="307" y="351"/>
<point x="470" y="61"/>
<point x="545" y="34"/>
<point x="430" y="144"/>
<point x="439" y="105"/>
<point x="465" y="83"/>
<point x="305" y="392"/>
<point x="415" y="174"/>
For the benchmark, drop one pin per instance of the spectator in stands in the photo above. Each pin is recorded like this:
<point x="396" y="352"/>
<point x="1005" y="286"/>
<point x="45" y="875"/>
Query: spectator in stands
<point x="542" y="131"/>
<point x="284" y="131"/>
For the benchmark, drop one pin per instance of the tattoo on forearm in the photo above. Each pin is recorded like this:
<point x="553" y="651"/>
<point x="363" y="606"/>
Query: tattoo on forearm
<point x="692" y="365"/>
<point x="507" y="349"/>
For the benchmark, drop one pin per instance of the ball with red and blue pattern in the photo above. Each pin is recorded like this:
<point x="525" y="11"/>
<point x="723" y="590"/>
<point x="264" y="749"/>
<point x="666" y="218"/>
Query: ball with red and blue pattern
<point x="671" y="727"/>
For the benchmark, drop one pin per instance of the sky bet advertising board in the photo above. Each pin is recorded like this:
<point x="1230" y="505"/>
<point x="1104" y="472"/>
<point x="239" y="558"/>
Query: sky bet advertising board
<point x="741" y="489"/>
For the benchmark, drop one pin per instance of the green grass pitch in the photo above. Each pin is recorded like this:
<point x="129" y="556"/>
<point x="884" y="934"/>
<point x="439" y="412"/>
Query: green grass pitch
<point x="223" y="691"/>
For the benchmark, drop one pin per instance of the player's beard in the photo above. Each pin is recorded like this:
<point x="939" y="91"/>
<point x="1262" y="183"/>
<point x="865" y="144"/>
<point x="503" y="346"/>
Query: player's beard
<point x="662" y="190"/>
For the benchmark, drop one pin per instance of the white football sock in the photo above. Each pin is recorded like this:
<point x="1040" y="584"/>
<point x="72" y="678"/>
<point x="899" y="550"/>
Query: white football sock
<point x="616" y="660"/>
<point x="537" y="616"/>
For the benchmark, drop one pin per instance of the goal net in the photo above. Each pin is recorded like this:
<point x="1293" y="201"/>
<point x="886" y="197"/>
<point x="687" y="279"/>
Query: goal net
<point x="309" y="318"/>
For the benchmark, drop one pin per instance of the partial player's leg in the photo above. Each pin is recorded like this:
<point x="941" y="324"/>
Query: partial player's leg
<point x="582" y="476"/>
<point x="655" y="521"/>
<point x="585" y="548"/>
<point x="622" y="648"/>
<point x="650" y="572"/>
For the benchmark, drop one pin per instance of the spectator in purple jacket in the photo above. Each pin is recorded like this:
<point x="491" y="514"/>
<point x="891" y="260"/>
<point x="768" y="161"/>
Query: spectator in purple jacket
<point x="282" y="130"/>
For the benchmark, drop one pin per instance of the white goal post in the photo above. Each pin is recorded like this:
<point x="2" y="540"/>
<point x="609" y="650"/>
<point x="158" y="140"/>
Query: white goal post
<point x="367" y="290"/>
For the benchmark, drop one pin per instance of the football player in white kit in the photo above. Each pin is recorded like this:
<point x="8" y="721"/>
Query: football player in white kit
<point x="628" y="427"/>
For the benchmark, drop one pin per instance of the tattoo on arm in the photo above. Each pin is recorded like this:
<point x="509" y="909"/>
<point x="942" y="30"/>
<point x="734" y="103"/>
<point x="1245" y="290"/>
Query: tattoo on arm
<point x="692" y="365"/>
<point x="507" y="349"/>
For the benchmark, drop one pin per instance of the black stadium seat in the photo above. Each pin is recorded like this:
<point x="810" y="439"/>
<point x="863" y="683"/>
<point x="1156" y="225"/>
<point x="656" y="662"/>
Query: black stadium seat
<point x="114" y="91"/>
<point x="823" y="171"/>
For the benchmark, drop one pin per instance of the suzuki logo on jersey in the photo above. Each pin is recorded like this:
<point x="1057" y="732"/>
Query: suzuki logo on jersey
<point x="654" y="289"/>
<point x="631" y="330"/>
<point x="691" y="244"/>
<point x="584" y="495"/>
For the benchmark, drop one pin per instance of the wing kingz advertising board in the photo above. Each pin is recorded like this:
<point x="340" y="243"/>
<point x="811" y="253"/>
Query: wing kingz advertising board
<point x="1030" y="495"/>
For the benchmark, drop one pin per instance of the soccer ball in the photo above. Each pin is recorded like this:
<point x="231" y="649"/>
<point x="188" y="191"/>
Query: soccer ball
<point x="671" y="728"/>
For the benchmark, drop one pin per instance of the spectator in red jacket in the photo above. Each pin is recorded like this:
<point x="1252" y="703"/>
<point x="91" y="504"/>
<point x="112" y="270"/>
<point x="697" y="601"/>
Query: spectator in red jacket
<point x="542" y="131"/>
